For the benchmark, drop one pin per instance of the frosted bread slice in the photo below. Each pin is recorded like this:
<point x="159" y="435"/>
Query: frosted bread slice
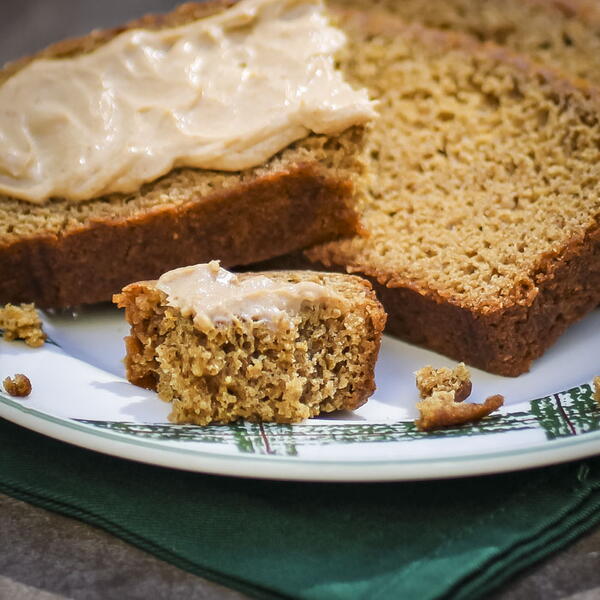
<point x="61" y="253"/>
<point x="278" y="346"/>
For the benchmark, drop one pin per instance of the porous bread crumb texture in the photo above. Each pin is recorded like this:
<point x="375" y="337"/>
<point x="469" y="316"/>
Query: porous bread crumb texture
<point x="331" y="156"/>
<point x="18" y="386"/>
<point x="457" y="380"/>
<point x="484" y="168"/>
<point x="565" y="33"/>
<point x="246" y="370"/>
<point x="597" y="389"/>
<point x="22" y="323"/>
<point x="443" y="391"/>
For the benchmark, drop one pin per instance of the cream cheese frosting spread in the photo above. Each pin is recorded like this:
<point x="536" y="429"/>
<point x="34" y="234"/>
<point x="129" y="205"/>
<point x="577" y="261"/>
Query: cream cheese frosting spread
<point x="212" y="295"/>
<point x="225" y="92"/>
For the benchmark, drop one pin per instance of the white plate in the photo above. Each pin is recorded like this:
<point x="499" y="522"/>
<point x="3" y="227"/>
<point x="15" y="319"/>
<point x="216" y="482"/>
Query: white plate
<point x="80" y="396"/>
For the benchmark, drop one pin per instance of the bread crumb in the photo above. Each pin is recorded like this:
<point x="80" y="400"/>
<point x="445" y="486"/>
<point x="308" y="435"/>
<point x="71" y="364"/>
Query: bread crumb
<point x="442" y="392"/>
<point x="457" y="380"/>
<point x="22" y="323"/>
<point x="440" y="410"/>
<point x="597" y="389"/>
<point x="19" y="385"/>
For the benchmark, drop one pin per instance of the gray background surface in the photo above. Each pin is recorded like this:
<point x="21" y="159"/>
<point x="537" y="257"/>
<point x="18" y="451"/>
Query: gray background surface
<point x="44" y="556"/>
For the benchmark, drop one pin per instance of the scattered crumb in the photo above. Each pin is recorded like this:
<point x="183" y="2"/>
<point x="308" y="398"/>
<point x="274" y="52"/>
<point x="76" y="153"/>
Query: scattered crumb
<point x="597" y="389"/>
<point x="442" y="392"/>
<point x="19" y="385"/>
<point x="22" y="323"/>
<point x="457" y="381"/>
<point x="440" y="410"/>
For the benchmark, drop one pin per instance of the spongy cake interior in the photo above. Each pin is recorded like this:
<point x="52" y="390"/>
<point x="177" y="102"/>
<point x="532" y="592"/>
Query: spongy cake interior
<point x="483" y="169"/>
<point x="565" y="33"/>
<point x="247" y="369"/>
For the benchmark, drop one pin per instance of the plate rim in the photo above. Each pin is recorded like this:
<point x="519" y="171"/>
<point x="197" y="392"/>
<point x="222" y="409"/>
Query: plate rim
<point x="127" y="446"/>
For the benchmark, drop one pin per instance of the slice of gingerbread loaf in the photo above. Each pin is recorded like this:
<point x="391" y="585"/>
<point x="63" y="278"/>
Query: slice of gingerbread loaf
<point x="278" y="346"/>
<point x="117" y="193"/>
<point x="483" y="209"/>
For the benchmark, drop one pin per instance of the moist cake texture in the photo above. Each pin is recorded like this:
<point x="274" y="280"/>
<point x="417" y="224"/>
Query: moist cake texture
<point x="564" y="33"/>
<point x="483" y="205"/>
<point x="322" y="361"/>
<point x="22" y="322"/>
<point x="457" y="380"/>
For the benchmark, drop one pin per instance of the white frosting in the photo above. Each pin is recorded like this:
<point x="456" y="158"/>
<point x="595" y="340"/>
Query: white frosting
<point x="226" y="92"/>
<point x="212" y="295"/>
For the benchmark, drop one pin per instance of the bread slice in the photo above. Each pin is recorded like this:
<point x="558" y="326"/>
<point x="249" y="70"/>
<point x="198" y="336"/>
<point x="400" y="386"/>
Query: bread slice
<point x="483" y="209"/>
<point x="60" y="254"/>
<point x="244" y="369"/>
<point x="564" y="33"/>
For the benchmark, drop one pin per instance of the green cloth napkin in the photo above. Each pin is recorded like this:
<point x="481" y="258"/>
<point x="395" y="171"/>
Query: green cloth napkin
<point x="439" y="539"/>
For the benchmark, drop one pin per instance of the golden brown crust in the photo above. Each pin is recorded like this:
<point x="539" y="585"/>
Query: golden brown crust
<point x="139" y="301"/>
<point x="268" y="216"/>
<point x="504" y="341"/>
<point x="441" y="410"/>
<point x="18" y="386"/>
<point x="597" y="389"/>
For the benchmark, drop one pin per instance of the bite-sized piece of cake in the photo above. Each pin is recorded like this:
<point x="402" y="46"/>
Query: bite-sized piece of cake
<point x="22" y="323"/>
<point x="277" y="346"/>
<point x="597" y="389"/>
<point x="18" y="386"/>
<point x="441" y="410"/>
<point x="443" y="391"/>
<point x="457" y="380"/>
<point x="212" y="148"/>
